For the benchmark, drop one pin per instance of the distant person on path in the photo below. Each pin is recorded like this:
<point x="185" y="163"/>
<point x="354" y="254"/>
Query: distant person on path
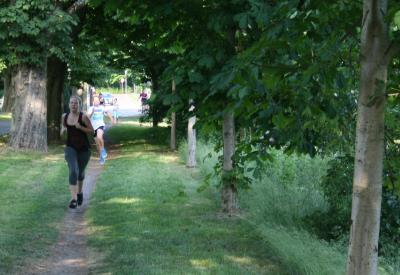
<point x="96" y="115"/>
<point x="101" y="99"/>
<point x="77" y="149"/>
<point x="115" y="110"/>
<point x="143" y="98"/>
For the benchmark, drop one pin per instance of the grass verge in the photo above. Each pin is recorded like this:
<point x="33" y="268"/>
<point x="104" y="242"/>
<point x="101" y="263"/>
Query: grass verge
<point x="147" y="218"/>
<point x="275" y="207"/>
<point x="34" y="193"/>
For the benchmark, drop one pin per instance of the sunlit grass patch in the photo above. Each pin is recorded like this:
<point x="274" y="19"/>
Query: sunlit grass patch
<point x="147" y="218"/>
<point x="5" y="116"/>
<point x="125" y="200"/>
<point x="240" y="260"/>
<point x="135" y="121"/>
<point x="203" y="264"/>
<point x="126" y="135"/>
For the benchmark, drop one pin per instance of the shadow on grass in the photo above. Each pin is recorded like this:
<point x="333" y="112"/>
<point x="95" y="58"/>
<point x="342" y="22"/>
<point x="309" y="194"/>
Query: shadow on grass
<point x="145" y="220"/>
<point x="146" y="217"/>
<point x="171" y="235"/>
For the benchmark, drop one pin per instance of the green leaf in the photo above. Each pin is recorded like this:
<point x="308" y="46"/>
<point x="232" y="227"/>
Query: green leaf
<point x="206" y="61"/>
<point x="396" y="19"/>
<point x="195" y="77"/>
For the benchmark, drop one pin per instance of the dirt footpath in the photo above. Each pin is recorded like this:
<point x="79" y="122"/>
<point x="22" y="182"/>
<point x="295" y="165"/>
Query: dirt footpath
<point x="69" y="255"/>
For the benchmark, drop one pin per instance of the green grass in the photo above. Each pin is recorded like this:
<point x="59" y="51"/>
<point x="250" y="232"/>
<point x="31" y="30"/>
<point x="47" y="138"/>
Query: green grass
<point x="5" y="116"/>
<point x="34" y="194"/>
<point x="147" y="218"/>
<point x="275" y="207"/>
<point x="111" y="90"/>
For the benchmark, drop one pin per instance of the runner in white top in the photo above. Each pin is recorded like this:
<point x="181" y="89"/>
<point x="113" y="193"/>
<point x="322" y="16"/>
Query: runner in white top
<point x="115" y="110"/>
<point x="96" y="115"/>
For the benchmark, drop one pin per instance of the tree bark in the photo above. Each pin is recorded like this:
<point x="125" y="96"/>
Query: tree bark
<point x="85" y="97"/>
<point x="29" y="127"/>
<point x="173" y="131"/>
<point x="173" y="124"/>
<point x="229" y="196"/>
<point x="191" y="161"/>
<point x="55" y="87"/>
<point x="367" y="181"/>
<point x="8" y="93"/>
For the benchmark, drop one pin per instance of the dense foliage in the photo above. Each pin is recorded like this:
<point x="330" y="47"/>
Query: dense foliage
<point x="32" y="30"/>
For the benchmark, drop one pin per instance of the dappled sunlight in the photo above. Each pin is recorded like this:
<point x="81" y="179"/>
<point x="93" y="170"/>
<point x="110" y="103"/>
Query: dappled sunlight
<point x="134" y="239"/>
<point x="136" y="123"/>
<point x="72" y="262"/>
<point x="53" y="157"/>
<point x="168" y="158"/>
<point x="136" y="142"/>
<point x="5" y="116"/>
<point x="125" y="200"/>
<point x="240" y="260"/>
<point x="362" y="181"/>
<point x="203" y="264"/>
<point x="142" y="124"/>
<point x="99" y="229"/>
<point x="38" y="104"/>
<point x="129" y="155"/>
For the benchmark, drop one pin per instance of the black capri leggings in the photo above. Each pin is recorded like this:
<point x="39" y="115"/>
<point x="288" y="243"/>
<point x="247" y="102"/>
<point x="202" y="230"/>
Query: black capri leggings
<point x="77" y="162"/>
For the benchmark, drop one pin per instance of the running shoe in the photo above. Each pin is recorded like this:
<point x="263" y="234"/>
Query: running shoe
<point x="73" y="204"/>
<point x="80" y="199"/>
<point x="102" y="161"/>
<point x="103" y="153"/>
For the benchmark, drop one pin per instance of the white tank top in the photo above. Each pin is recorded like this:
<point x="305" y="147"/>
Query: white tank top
<point x="97" y="118"/>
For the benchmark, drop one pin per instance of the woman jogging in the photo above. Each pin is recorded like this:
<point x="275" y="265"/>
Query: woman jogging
<point x="96" y="115"/>
<point x="77" y="149"/>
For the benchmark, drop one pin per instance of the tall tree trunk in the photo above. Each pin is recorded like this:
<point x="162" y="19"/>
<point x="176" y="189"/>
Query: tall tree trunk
<point x="55" y="87"/>
<point x="173" y="131"/>
<point x="9" y="96"/>
<point x="191" y="161"/>
<point x="85" y="97"/>
<point x="367" y="183"/>
<point x="173" y="124"/>
<point x="29" y="127"/>
<point x="229" y="196"/>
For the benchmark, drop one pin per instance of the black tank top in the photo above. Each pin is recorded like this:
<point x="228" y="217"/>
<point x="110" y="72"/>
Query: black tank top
<point x="76" y="138"/>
